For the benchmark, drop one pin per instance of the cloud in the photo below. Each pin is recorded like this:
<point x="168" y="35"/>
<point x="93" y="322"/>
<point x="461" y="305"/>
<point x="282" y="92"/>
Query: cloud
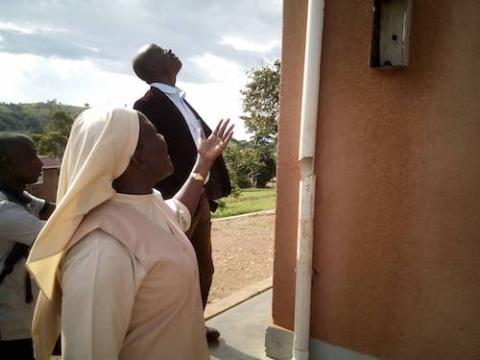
<point x="215" y="101"/>
<point x="48" y="46"/>
<point x="116" y="29"/>
<point x="29" y="28"/>
<point x="242" y="44"/>
<point x="70" y="81"/>
<point x="218" y="69"/>
<point x="81" y="51"/>
<point x="77" y="82"/>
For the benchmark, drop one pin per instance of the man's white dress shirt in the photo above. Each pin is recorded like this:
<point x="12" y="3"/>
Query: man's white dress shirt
<point x="177" y="96"/>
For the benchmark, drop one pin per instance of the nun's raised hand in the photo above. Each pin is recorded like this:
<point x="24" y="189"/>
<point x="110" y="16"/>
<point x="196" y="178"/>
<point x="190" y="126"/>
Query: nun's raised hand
<point x="210" y="149"/>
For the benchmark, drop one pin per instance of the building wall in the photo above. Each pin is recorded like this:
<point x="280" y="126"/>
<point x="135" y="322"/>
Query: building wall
<point x="397" y="217"/>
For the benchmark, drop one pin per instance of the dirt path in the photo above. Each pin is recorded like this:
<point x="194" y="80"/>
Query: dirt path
<point x="242" y="253"/>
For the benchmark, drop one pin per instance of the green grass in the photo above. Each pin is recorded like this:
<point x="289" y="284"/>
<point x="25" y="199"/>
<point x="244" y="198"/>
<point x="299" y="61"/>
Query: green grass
<point x="250" y="200"/>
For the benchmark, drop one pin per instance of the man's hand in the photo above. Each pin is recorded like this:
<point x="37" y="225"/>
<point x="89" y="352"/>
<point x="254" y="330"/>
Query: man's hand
<point x="208" y="151"/>
<point x="211" y="148"/>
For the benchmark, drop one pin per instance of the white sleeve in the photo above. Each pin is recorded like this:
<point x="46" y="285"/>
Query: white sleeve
<point x="17" y="224"/>
<point x="36" y="205"/>
<point x="99" y="280"/>
<point x="180" y="212"/>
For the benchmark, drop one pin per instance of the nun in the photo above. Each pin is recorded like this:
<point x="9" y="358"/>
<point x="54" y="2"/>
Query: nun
<point x="118" y="276"/>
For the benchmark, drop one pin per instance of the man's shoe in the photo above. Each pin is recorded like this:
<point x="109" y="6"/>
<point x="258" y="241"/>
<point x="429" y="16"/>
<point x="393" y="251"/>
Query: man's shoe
<point x="212" y="334"/>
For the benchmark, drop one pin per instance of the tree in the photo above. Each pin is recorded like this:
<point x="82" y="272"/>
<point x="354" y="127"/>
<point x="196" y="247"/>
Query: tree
<point x="241" y="163"/>
<point x="265" y="167"/>
<point x="255" y="162"/>
<point x="14" y="118"/>
<point x="249" y="165"/>
<point x="53" y="141"/>
<point x="260" y="102"/>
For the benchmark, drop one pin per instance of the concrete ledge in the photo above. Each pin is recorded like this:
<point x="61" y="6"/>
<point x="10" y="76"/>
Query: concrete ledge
<point x="222" y="305"/>
<point x="279" y="342"/>
<point x="258" y="213"/>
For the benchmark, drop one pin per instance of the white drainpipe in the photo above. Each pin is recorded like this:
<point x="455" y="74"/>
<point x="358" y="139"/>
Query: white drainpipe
<point x="308" y="128"/>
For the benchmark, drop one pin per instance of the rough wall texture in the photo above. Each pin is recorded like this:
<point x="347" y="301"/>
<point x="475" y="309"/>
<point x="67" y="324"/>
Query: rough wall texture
<point x="397" y="229"/>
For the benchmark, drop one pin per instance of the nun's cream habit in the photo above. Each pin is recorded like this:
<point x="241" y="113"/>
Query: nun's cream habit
<point x="117" y="274"/>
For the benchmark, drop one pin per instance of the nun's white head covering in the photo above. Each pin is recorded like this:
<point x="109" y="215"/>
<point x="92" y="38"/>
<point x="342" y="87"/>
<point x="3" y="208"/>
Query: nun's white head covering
<point x="98" y="151"/>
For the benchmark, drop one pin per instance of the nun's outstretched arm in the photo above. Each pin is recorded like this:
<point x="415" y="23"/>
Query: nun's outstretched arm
<point x="208" y="151"/>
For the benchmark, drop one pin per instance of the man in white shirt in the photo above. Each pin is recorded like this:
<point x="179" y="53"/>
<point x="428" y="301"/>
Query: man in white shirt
<point x="20" y="222"/>
<point x="165" y="106"/>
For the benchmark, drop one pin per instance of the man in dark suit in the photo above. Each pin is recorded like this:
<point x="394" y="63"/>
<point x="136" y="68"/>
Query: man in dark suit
<point x="165" y="105"/>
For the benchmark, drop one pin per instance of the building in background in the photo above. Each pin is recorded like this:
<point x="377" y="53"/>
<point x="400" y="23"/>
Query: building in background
<point x="397" y="208"/>
<point x="46" y="186"/>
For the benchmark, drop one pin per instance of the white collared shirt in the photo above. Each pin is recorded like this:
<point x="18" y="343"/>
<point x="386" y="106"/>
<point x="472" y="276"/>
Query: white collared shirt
<point x="178" y="98"/>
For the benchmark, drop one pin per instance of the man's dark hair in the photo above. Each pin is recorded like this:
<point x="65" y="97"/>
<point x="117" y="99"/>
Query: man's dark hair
<point x="142" y="63"/>
<point x="8" y="144"/>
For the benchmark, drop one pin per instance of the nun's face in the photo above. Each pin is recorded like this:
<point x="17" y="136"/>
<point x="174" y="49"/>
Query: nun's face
<point x="154" y="150"/>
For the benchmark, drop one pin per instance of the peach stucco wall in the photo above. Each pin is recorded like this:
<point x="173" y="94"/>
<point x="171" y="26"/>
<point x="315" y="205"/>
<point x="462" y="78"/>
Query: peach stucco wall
<point x="397" y="217"/>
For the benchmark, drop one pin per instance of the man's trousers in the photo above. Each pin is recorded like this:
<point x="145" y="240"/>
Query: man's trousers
<point x="199" y="235"/>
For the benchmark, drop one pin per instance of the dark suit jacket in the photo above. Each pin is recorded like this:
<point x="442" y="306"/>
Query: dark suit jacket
<point x="169" y="121"/>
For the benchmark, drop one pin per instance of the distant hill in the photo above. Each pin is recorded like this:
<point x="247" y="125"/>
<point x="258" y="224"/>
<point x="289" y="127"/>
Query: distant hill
<point x="33" y="117"/>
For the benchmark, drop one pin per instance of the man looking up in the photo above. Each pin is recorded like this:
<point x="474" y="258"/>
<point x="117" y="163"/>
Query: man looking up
<point x="165" y="106"/>
<point x="21" y="217"/>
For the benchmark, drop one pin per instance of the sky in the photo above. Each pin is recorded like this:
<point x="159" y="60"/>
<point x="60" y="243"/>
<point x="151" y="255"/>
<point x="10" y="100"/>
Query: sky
<point x="80" y="51"/>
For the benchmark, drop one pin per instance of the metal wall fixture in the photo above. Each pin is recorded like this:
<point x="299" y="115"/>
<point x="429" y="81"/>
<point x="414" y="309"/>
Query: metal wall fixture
<point x="391" y="33"/>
